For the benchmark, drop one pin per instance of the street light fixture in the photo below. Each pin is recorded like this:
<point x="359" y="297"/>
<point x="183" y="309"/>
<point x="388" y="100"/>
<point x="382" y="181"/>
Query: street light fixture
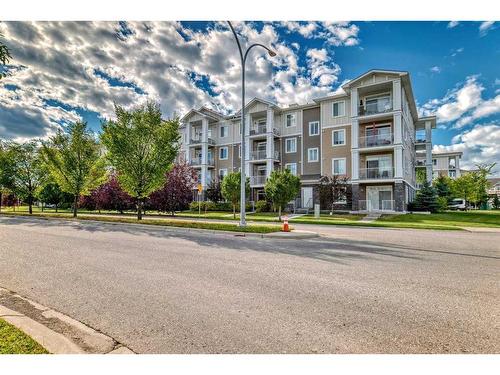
<point x="243" y="56"/>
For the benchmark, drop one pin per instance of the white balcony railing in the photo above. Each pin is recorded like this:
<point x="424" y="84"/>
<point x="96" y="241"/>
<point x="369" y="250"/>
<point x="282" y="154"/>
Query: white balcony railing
<point x="262" y="129"/>
<point x="257" y="180"/>
<point x="376" y="173"/>
<point x="375" y="107"/>
<point x="262" y="154"/>
<point x="198" y="161"/>
<point x="199" y="139"/>
<point x="376" y="140"/>
<point x="381" y="205"/>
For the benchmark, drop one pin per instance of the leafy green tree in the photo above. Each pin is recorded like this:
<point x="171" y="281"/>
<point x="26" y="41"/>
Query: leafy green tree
<point x="6" y="170"/>
<point x="443" y="187"/>
<point x="142" y="147"/>
<point x="463" y="187"/>
<point x="426" y="198"/>
<point x="28" y="171"/>
<point x="74" y="161"/>
<point x="496" y="202"/>
<point x="231" y="189"/>
<point x="480" y="179"/>
<point x="281" y="187"/>
<point x="4" y="55"/>
<point x="214" y="192"/>
<point x="51" y="193"/>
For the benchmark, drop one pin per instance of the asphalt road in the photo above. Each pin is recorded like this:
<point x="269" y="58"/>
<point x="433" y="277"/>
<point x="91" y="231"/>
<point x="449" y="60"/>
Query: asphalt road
<point x="357" y="290"/>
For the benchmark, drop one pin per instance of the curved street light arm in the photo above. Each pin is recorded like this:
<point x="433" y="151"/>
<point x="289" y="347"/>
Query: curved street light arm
<point x="271" y="52"/>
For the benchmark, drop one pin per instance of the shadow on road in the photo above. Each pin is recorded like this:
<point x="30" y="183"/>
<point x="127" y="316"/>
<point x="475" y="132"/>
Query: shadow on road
<point x="325" y="249"/>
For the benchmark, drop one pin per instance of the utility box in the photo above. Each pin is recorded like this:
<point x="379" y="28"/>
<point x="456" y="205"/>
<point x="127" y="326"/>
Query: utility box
<point x="316" y="210"/>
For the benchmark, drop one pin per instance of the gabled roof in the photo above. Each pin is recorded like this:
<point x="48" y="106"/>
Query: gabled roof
<point x="203" y="111"/>
<point x="401" y="73"/>
<point x="255" y="100"/>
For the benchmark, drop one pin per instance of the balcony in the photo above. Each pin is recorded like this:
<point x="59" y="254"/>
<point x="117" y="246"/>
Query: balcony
<point x="198" y="139"/>
<point x="376" y="173"/>
<point x="197" y="162"/>
<point x="374" y="205"/>
<point x="375" y="107"/>
<point x="420" y="163"/>
<point x="262" y="155"/>
<point x="257" y="180"/>
<point x="376" y="140"/>
<point x="261" y="129"/>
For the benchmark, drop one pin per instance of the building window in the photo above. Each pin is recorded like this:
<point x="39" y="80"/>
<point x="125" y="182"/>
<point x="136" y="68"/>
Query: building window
<point x="312" y="154"/>
<point x="338" y="109"/>
<point x="223" y="131"/>
<point x="239" y="151"/>
<point x="222" y="173"/>
<point x="452" y="173"/>
<point x="291" y="120"/>
<point x="292" y="167"/>
<point x="338" y="166"/>
<point x="223" y="153"/>
<point x="314" y="128"/>
<point x="434" y="162"/>
<point x="291" y="145"/>
<point x="338" y="137"/>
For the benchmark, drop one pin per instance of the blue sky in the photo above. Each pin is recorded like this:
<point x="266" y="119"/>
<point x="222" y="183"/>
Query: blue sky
<point x="64" y="71"/>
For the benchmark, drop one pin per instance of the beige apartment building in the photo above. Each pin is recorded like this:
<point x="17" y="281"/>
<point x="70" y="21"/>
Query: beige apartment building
<point x="370" y="132"/>
<point x="446" y="164"/>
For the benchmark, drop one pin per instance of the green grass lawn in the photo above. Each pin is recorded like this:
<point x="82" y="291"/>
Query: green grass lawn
<point x="490" y="219"/>
<point x="232" y="227"/>
<point x="14" y="341"/>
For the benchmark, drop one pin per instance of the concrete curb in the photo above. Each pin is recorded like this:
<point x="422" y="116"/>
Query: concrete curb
<point x="79" y="338"/>
<point x="294" y="234"/>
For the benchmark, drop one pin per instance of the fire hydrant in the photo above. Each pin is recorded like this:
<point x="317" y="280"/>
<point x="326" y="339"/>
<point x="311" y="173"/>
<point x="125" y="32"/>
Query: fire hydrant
<point x="286" y="228"/>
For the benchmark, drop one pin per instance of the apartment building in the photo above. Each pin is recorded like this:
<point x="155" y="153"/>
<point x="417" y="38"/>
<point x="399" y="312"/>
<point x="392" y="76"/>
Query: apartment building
<point x="369" y="132"/>
<point x="446" y="164"/>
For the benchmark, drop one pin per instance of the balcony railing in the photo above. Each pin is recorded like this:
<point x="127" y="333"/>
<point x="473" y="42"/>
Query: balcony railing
<point x="373" y="108"/>
<point x="420" y="163"/>
<point x="381" y="205"/>
<point x="199" y="139"/>
<point x="257" y="180"/>
<point x="376" y="140"/>
<point x="262" y="129"/>
<point x="376" y="173"/>
<point x="197" y="162"/>
<point x="262" y="154"/>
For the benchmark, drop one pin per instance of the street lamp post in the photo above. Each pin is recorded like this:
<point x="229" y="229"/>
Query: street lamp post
<point x="243" y="56"/>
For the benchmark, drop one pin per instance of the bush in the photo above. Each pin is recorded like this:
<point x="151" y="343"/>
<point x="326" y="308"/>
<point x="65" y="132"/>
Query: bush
<point x="211" y="206"/>
<point x="205" y="206"/>
<point x="262" y="206"/>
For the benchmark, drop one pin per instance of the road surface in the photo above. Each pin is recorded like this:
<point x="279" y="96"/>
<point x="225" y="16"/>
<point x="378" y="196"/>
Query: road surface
<point x="356" y="290"/>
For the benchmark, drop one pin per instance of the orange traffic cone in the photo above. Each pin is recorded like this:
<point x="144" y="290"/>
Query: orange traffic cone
<point x="286" y="228"/>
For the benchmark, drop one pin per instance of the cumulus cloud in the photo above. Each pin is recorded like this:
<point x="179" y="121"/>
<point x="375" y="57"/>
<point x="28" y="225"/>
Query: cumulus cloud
<point x="452" y="24"/>
<point x="89" y="66"/>
<point x="435" y="69"/>
<point x="463" y="105"/>
<point x="479" y="145"/>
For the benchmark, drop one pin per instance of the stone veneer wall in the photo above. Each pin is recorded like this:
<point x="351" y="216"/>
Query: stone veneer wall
<point x="399" y="196"/>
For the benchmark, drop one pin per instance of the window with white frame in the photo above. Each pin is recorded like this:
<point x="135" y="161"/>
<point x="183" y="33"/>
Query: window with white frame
<point x="338" y="166"/>
<point x="291" y="145"/>
<point x="338" y="137"/>
<point x="223" y="153"/>
<point x="290" y="120"/>
<point x="292" y="167"/>
<point x="314" y="128"/>
<point x="312" y="154"/>
<point x="224" y="130"/>
<point x="222" y="173"/>
<point x="338" y="108"/>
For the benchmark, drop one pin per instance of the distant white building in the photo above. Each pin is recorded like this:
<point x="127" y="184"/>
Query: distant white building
<point x="446" y="164"/>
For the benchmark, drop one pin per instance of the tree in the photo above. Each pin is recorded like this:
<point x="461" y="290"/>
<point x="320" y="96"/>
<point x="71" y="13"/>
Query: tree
<point x="51" y="193"/>
<point x="443" y="186"/>
<point x="177" y="192"/>
<point x="74" y="161"/>
<point x="463" y="187"/>
<point x="142" y="147"/>
<point x="426" y="198"/>
<point x="4" y="56"/>
<point x="6" y="170"/>
<point x="334" y="189"/>
<point x="28" y="170"/>
<point x="480" y="180"/>
<point x="214" y="192"/>
<point x="110" y="196"/>
<point x="496" y="202"/>
<point x="231" y="189"/>
<point x="281" y="187"/>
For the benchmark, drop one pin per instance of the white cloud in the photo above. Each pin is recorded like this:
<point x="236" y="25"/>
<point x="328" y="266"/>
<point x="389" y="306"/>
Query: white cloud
<point x="452" y="24"/>
<point x="462" y="105"/>
<point x="155" y="60"/>
<point x="457" y="51"/>
<point x="479" y="145"/>
<point x="435" y="69"/>
<point x="485" y="27"/>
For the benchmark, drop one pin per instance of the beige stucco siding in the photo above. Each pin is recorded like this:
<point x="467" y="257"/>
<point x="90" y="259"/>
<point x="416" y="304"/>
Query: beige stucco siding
<point x="327" y="118"/>
<point x="310" y="115"/>
<point x="330" y="152"/>
<point x="375" y="78"/>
